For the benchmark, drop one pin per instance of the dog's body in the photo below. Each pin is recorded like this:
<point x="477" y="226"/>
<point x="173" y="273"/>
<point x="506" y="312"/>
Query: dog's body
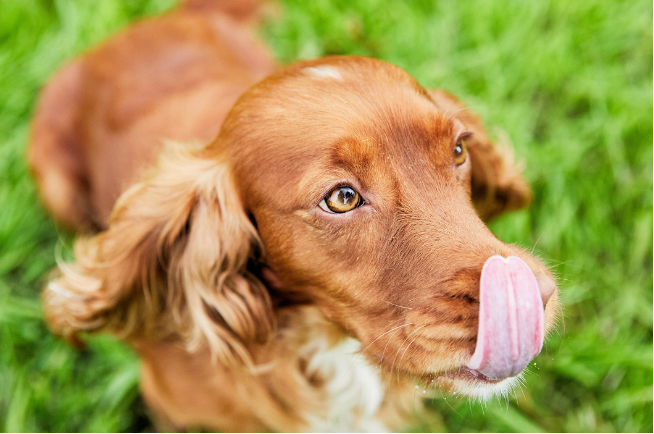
<point x="256" y="293"/>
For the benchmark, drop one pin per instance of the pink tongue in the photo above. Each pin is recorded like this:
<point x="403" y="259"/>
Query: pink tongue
<point x="511" y="318"/>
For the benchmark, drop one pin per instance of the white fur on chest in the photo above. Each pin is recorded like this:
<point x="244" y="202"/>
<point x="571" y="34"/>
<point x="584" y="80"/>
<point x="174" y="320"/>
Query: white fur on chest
<point x="354" y="387"/>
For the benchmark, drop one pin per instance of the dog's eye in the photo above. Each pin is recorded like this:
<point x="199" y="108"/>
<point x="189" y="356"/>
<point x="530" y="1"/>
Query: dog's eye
<point x="341" y="199"/>
<point x="460" y="152"/>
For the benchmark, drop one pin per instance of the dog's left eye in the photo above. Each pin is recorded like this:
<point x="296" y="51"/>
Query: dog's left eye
<point x="341" y="199"/>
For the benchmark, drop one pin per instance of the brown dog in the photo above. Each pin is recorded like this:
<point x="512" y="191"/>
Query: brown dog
<point x="308" y="267"/>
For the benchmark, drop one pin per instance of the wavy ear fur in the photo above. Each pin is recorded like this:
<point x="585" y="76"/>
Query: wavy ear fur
<point x="497" y="184"/>
<point x="173" y="262"/>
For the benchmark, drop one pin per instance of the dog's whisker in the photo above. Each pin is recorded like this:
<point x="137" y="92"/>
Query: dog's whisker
<point x="450" y="405"/>
<point x="552" y="266"/>
<point x="378" y="337"/>
<point x="407" y="347"/>
<point x="398" y="352"/>
<point x="536" y="243"/>
<point x="450" y="115"/>
<point x="384" y="352"/>
<point x="397" y="305"/>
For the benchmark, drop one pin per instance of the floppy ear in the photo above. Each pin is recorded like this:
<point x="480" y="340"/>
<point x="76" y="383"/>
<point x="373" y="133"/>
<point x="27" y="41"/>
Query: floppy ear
<point x="496" y="183"/>
<point x="173" y="263"/>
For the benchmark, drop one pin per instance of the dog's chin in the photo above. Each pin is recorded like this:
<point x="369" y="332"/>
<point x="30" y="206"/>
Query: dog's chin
<point x="473" y="384"/>
<point x="461" y="381"/>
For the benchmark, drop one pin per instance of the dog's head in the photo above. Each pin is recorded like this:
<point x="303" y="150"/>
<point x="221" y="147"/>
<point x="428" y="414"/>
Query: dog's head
<point x="339" y="182"/>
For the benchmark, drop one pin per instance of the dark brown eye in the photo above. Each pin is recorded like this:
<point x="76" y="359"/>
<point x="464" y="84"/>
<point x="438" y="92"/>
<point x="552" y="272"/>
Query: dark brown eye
<point x="460" y="152"/>
<point x="341" y="199"/>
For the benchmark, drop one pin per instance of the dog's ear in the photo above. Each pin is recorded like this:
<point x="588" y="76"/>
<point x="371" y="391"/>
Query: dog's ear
<point x="496" y="183"/>
<point x="173" y="262"/>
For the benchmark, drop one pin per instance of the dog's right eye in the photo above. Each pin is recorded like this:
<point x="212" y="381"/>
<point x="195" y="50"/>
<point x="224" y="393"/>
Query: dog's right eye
<point x="341" y="199"/>
<point x="460" y="152"/>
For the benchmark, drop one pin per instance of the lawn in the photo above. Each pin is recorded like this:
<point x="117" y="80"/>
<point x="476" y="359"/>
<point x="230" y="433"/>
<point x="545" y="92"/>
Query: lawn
<point x="568" y="83"/>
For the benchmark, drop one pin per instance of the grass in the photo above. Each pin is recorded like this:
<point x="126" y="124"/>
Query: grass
<point x="569" y="82"/>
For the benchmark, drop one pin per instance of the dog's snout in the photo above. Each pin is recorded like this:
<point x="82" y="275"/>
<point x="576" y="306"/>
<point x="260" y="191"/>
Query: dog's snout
<point x="546" y="286"/>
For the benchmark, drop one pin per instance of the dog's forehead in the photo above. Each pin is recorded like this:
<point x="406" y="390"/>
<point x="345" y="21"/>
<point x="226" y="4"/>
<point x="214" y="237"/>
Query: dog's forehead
<point x="369" y="110"/>
<point x="326" y="100"/>
<point x="355" y="114"/>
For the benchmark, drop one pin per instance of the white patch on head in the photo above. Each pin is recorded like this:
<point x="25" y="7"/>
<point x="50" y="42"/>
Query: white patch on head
<point x="354" y="386"/>
<point x="323" y="72"/>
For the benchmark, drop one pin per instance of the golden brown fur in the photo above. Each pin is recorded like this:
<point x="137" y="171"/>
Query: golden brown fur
<point x="250" y="307"/>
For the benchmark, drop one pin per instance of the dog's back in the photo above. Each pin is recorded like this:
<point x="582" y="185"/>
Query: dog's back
<point x="104" y="116"/>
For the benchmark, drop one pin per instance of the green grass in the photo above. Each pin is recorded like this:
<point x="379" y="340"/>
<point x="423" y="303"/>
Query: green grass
<point x="569" y="82"/>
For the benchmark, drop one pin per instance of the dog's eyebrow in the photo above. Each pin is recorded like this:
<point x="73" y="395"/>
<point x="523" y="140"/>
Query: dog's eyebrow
<point x="356" y="154"/>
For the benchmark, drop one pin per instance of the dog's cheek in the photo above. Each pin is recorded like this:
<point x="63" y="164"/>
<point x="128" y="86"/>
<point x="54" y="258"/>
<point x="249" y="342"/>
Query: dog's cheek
<point x="465" y="178"/>
<point x="348" y="254"/>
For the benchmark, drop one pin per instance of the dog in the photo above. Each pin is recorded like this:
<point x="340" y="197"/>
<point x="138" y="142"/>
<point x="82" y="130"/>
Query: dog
<point x="304" y="249"/>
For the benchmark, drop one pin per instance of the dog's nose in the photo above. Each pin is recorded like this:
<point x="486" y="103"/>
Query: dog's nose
<point x="546" y="287"/>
